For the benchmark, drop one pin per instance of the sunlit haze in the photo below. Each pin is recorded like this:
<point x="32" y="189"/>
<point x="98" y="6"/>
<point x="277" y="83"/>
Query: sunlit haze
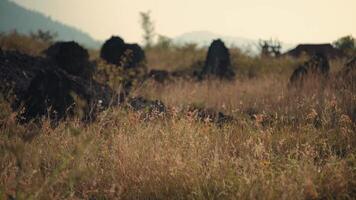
<point x="290" y="21"/>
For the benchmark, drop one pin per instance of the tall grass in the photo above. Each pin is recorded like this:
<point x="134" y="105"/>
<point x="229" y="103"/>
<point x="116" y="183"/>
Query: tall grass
<point x="285" y="143"/>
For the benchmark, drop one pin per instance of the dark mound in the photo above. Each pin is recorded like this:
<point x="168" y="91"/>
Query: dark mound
<point x="112" y="50"/>
<point x="211" y="115"/>
<point x="71" y="57"/>
<point x="218" y="61"/>
<point x="44" y="89"/>
<point x="140" y="103"/>
<point x="312" y="49"/>
<point x="148" y="109"/>
<point x="135" y="55"/>
<point x="159" y="75"/>
<point x="317" y="67"/>
<point x="116" y="51"/>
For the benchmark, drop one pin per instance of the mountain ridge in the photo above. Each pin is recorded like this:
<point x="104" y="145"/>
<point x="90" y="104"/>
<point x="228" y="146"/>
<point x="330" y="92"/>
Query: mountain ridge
<point x="23" y="20"/>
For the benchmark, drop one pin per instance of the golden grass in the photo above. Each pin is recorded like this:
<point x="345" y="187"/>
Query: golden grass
<point x="284" y="144"/>
<point x="280" y="154"/>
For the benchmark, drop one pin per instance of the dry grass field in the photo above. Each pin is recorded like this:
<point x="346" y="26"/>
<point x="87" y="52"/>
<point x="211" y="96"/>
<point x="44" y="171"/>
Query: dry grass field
<point x="284" y="143"/>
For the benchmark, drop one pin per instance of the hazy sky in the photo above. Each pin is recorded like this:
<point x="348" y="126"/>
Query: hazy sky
<point x="292" y="21"/>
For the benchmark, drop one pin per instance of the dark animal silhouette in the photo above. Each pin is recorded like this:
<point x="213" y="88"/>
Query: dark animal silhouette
<point x="71" y="57"/>
<point x="312" y="49"/>
<point x="218" y="61"/>
<point x="317" y="66"/>
<point x="117" y="52"/>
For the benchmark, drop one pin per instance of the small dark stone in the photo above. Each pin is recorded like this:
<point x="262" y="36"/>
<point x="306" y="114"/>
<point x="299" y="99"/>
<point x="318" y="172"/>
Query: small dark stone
<point x="140" y="103"/>
<point x="211" y="115"/>
<point x="159" y="75"/>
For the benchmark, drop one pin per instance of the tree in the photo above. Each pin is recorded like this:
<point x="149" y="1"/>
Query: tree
<point x="164" y="42"/>
<point x="270" y="48"/>
<point x="148" y="28"/>
<point x="44" y="36"/>
<point x="346" y="44"/>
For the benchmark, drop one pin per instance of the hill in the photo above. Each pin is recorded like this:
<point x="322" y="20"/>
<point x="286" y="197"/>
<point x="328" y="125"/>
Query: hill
<point x="25" y="21"/>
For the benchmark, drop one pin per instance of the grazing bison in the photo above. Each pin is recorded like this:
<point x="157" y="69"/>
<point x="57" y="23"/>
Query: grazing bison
<point x="71" y="57"/>
<point x="116" y="51"/>
<point x="317" y="66"/>
<point x="41" y="88"/>
<point x="218" y="61"/>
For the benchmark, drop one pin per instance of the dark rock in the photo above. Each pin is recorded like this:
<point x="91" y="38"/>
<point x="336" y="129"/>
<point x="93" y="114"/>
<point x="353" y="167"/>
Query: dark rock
<point x="41" y="88"/>
<point x="298" y="75"/>
<point x="142" y="104"/>
<point x="117" y="52"/>
<point x="159" y="75"/>
<point x="218" y="61"/>
<point x="135" y="55"/>
<point x="312" y="49"/>
<point x="194" y="72"/>
<point x="211" y="115"/>
<point x="317" y="67"/>
<point x="148" y="109"/>
<point x="112" y="50"/>
<point x="71" y="57"/>
<point x="318" y="64"/>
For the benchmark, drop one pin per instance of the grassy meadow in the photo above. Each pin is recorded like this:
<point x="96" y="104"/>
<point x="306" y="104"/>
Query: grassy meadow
<point x="284" y="143"/>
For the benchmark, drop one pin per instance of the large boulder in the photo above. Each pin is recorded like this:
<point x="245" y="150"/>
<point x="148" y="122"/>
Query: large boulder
<point x="116" y="51"/>
<point x="134" y="55"/>
<point x="311" y="49"/>
<point x="218" y="61"/>
<point x="71" y="57"/>
<point x="112" y="50"/>
<point x="37" y="87"/>
<point x="316" y="67"/>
